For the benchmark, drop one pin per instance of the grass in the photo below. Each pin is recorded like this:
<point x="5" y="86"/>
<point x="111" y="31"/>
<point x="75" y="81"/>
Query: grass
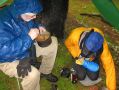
<point x="63" y="57"/>
<point x="7" y="83"/>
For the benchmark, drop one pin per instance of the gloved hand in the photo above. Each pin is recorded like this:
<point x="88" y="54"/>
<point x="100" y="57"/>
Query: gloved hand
<point x="23" y="67"/>
<point x="80" y="61"/>
<point x="36" y="64"/>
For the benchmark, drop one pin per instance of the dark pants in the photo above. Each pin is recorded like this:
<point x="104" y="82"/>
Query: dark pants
<point x="83" y="72"/>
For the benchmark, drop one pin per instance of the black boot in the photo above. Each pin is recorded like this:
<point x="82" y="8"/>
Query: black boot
<point x="50" y="77"/>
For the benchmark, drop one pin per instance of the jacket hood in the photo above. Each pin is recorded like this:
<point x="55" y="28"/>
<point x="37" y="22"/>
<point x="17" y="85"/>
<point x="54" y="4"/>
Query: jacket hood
<point x="19" y="7"/>
<point x="94" y="42"/>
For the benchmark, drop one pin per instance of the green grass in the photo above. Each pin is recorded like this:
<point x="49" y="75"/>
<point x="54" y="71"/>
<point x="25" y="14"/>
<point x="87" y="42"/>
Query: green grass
<point x="7" y="83"/>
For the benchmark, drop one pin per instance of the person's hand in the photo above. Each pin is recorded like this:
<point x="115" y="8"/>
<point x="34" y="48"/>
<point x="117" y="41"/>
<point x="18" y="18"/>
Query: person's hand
<point x="80" y="61"/>
<point x="23" y="67"/>
<point x="33" y="33"/>
<point x="42" y="29"/>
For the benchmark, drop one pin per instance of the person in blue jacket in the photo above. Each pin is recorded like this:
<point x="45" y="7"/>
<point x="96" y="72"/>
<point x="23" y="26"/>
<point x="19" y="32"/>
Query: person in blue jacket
<point x="17" y="34"/>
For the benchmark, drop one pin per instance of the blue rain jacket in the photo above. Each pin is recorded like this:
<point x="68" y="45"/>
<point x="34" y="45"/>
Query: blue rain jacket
<point x="14" y="39"/>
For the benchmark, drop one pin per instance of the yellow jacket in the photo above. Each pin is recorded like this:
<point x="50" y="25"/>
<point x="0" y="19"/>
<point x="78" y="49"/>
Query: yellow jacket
<point x="106" y="58"/>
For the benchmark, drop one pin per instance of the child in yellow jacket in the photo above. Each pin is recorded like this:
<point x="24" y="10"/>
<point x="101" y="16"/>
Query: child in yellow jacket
<point x="87" y="46"/>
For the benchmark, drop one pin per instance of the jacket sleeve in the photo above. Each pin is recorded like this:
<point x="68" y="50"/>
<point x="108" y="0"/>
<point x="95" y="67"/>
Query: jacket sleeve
<point x="91" y="66"/>
<point x="109" y="67"/>
<point x="72" y="44"/>
<point x="15" y="47"/>
<point x="34" y="24"/>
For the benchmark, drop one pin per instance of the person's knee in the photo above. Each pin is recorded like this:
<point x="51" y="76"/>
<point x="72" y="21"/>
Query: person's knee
<point x="54" y="41"/>
<point x="54" y="45"/>
<point x="34" y="74"/>
<point x="81" y="76"/>
<point x="93" y="77"/>
<point x="81" y="72"/>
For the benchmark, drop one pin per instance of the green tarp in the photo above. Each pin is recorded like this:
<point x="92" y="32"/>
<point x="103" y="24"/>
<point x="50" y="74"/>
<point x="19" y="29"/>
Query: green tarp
<point x="109" y="11"/>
